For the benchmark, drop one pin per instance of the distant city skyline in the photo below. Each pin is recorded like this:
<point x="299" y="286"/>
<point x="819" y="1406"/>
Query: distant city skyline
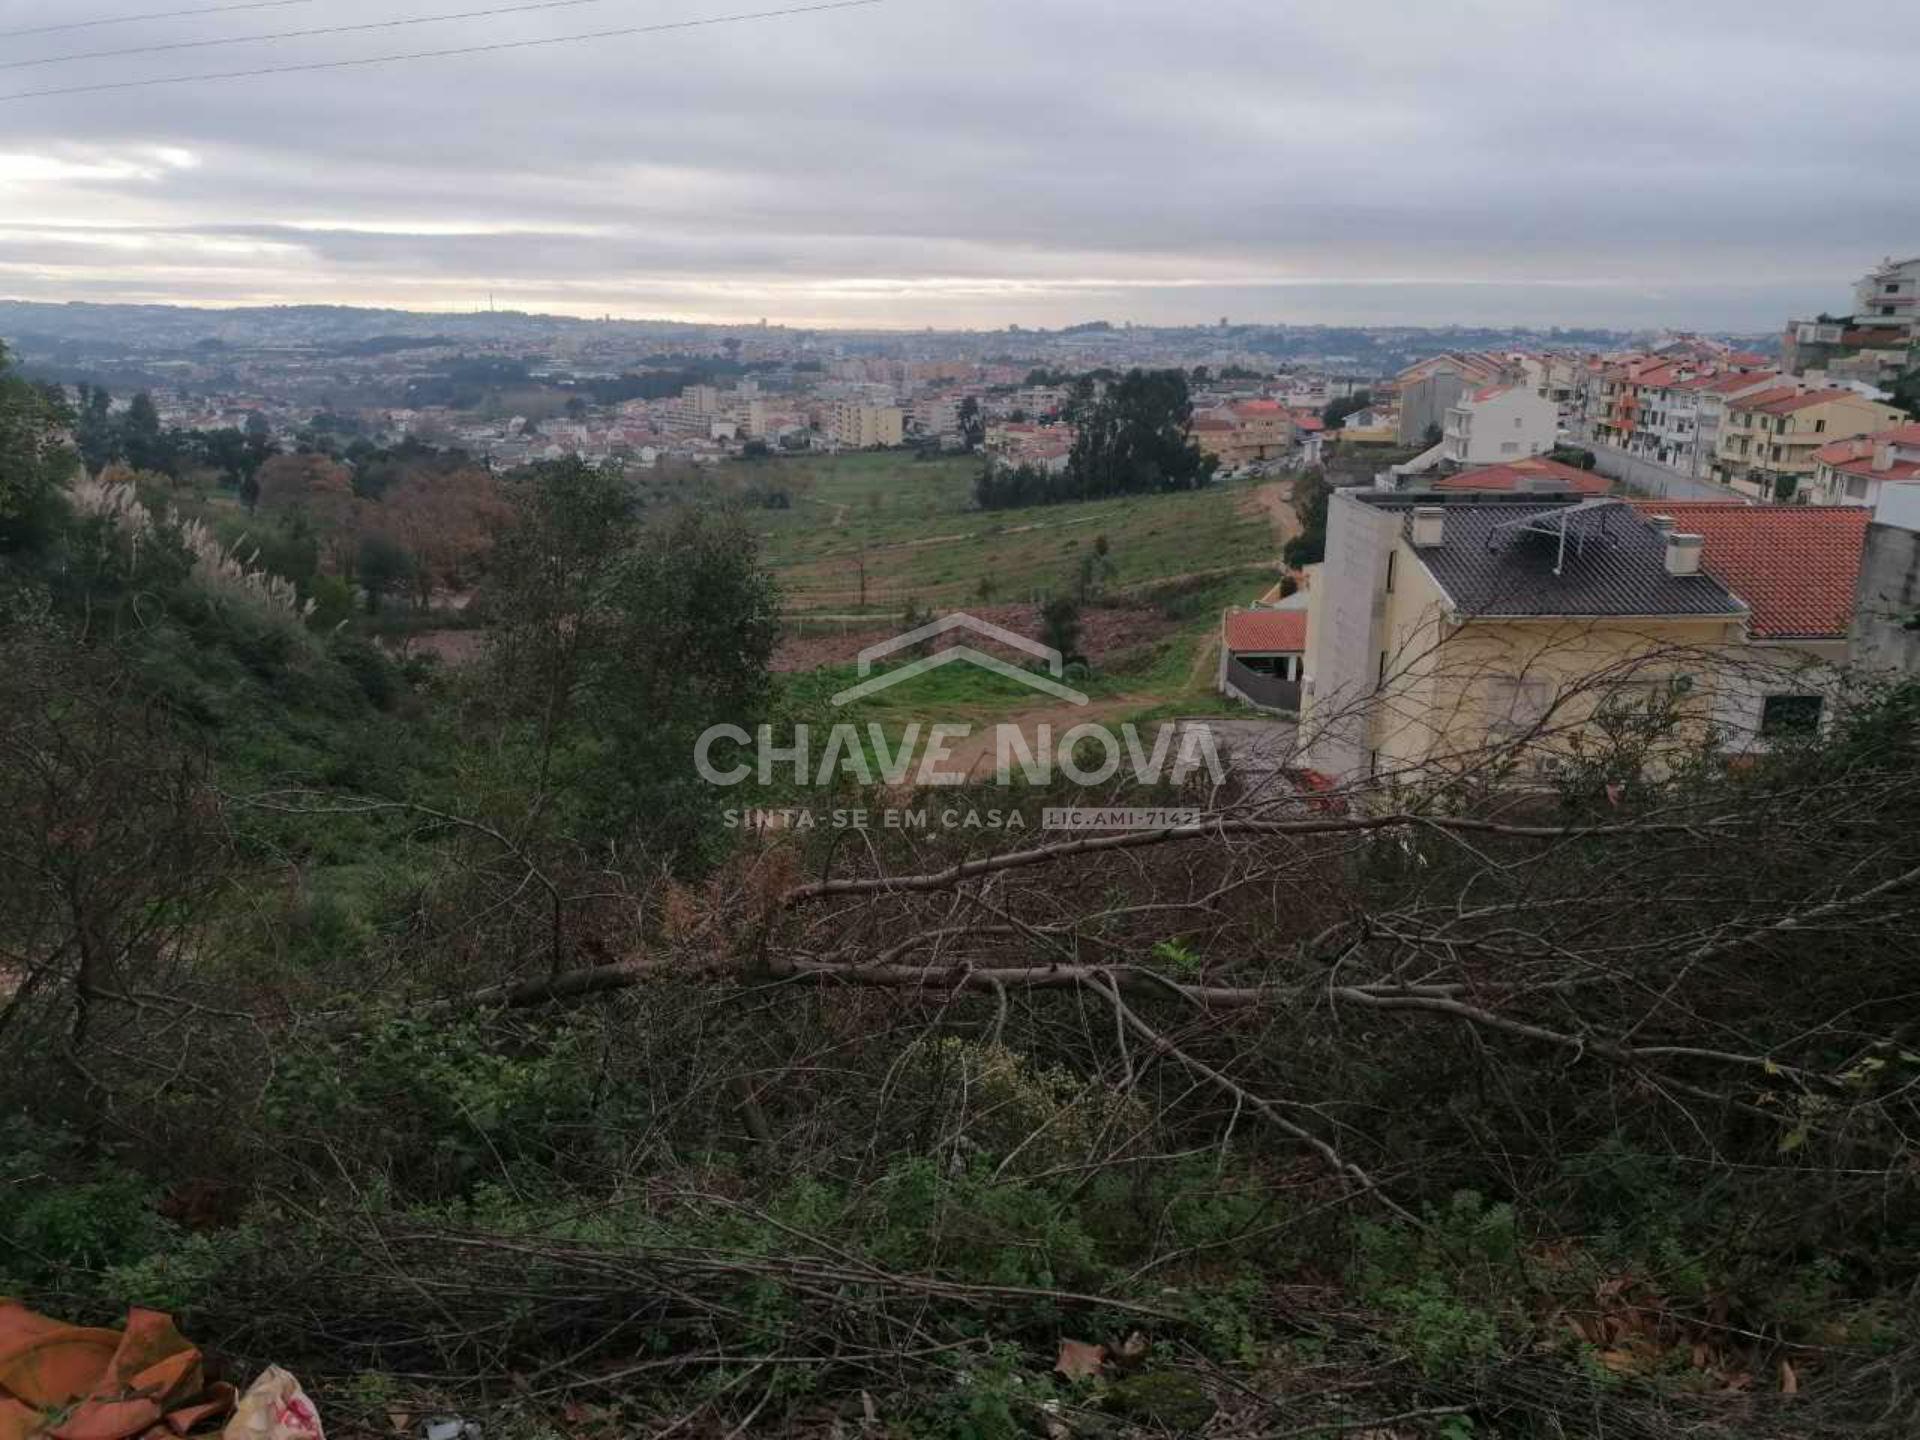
<point x="1500" y="162"/>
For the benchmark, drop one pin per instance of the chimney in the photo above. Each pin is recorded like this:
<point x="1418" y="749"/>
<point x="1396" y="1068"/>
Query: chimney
<point x="1429" y="526"/>
<point x="1883" y="456"/>
<point x="1662" y="524"/>
<point x="1683" y="554"/>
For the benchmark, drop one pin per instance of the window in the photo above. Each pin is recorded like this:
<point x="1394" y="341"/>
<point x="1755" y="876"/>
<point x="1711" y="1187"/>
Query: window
<point x="1789" y="715"/>
<point x="1856" y="487"/>
<point x="1509" y="447"/>
<point x="1517" y="703"/>
<point x="1819" y="427"/>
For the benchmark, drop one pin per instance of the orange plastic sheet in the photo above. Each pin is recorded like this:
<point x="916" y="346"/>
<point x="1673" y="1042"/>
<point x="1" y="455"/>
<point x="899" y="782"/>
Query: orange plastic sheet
<point x="71" y="1382"/>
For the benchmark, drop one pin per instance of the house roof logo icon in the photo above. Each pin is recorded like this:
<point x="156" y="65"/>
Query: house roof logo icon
<point x="872" y="684"/>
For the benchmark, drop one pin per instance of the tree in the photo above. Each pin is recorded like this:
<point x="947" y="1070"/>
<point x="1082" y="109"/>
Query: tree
<point x="1060" y="626"/>
<point x="1336" y="413"/>
<point x="96" y="432"/>
<point x="618" y="644"/>
<point x="1311" y="497"/>
<point x="1094" y="570"/>
<point x="382" y="567"/>
<point x="1905" y="392"/>
<point x="1136" y="440"/>
<point x="145" y="445"/>
<point x="973" y="424"/>
<point x="34" y="460"/>
<point x="320" y="492"/>
<point x="445" y="517"/>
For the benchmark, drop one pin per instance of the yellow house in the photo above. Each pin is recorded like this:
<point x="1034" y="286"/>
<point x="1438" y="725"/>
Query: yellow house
<point x="1444" y="627"/>
<point x="1768" y="442"/>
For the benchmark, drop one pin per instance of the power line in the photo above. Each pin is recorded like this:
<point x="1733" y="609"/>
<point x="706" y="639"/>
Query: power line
<point x="297" y="34"/>
<point x="156" y="15"/>
<point x="621" y="33"/>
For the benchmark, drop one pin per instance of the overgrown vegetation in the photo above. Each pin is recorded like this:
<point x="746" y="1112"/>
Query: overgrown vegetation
<point x="430" y="1034"/>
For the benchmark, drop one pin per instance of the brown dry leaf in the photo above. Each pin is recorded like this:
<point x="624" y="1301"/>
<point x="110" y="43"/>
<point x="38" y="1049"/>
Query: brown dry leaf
<point x="400" y="1420"/>
<point x="1133" y="1349"/>
<point x="1789" y="1379"/>
<point x="1078" y="1359"/>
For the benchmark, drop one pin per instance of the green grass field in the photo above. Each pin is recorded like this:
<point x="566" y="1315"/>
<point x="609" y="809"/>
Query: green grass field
<point x="911" y="526"/>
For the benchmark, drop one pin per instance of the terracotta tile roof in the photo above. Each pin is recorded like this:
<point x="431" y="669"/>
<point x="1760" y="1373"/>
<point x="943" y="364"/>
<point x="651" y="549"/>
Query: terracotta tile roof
<point x="1855" y="456"/>
<point x="1765" y="397"/>
<point x="1790" y="404"/>
<point x="1264" y="632"/>
<point x="1490" y="392"/>
<point x="1796" y="566"/>
<point x="1516" y="475"/>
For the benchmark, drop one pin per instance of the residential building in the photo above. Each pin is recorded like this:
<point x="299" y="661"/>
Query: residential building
<point x="1874" y="345"/>
<point x="1857" y="471"/>
<point x="1498" y="422"/>
<point x="1263" y="653"/>
<point x="1245" y="432"/>
<point x="1766" y="446"/>
<point x="858" y="426"/>
<point x="1797" y="570"/>
<point x="1428" y="388"/>
<point x="1888" y="296"/>
<point x="1443" y="624"/>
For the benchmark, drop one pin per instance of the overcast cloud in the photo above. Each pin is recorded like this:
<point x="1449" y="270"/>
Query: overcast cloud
<point x="985" y="162"/>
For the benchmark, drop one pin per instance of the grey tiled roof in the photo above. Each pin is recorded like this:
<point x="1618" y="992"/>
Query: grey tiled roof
<point x="1492" y="563"/>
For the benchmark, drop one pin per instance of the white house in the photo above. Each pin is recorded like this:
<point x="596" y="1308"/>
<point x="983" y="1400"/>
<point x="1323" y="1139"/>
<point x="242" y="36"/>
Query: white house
<point x="1857" y="471"/>
<point x="1501" y="422"/>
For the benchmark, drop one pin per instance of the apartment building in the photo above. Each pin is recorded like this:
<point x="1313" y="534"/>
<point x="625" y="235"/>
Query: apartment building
<point x="855" y="425"/>
<point x="1499" y="422"/>
<point x="1888" y="296"/>
<point x="1767" y="444"/>
<point x="1245" y="432"/>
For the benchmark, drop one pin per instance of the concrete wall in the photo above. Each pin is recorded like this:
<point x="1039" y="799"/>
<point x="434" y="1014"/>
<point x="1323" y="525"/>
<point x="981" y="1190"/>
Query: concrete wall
<point x="1343" y="630"/>
<point x="1425" y="403"/>
<point x="1660" y="481"/>
<point x="1888" y="601"/>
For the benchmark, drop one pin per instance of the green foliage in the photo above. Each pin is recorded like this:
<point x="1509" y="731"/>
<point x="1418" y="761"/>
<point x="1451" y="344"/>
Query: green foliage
<point x="1134" y="441"/>
<point x="1311" y="496"/>
<point x="34" y="461"/>
<point x="65" y="1216"/>
<point x="1445" y="1289"/>
<point x="616" y="645"/>
<point x="435" y="1106"/>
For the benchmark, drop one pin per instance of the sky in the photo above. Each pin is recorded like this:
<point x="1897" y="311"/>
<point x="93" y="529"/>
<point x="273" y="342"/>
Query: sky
<point x="978" y="163"/>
